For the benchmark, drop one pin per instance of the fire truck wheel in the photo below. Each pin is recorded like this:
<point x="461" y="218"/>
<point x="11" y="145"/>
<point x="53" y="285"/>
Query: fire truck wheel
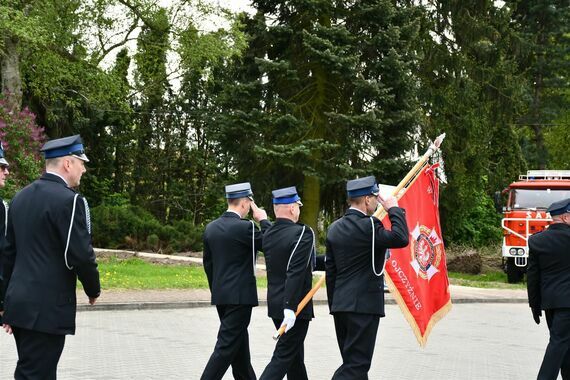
<point x="514" y="274"/>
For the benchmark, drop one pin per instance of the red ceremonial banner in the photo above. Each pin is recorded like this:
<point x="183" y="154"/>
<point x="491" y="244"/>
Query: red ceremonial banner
<point x="417" y="274"/>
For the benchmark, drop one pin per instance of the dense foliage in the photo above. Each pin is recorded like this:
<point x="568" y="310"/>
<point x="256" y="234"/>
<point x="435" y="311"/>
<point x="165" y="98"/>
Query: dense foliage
<point x="21" y="139"/>
<point x="175" y="102"/>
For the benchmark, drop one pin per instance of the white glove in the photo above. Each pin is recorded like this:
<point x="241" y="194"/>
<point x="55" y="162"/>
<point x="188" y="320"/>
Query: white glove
<point x="288" y="319"/>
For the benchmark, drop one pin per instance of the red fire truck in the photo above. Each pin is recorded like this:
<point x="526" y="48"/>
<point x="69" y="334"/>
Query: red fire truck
<point x="525" y="214"/>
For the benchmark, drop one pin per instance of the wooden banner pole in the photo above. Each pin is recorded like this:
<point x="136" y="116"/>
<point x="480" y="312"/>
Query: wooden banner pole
<point x="379" y="214"/>
<point x="413" y="172"/>
<point x="301" y="305"/>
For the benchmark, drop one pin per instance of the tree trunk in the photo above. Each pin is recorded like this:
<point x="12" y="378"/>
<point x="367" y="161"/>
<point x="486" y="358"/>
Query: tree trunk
<point x="537" y="110"/>
<point x="542" y="152"/>
<point x="11" y="79"/>
<point x="312" y="184"/>
<point x="311" y="201"/>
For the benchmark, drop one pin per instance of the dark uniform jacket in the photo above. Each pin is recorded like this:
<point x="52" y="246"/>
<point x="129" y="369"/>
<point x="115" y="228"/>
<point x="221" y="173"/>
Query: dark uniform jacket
<point x="230" y="246"/>
<point x="548" y="272"/>
<point x="352" y="285"/>
<point x="288" y="257"/>
<point x="3" y="229"/>
<point x="40" y="287"/>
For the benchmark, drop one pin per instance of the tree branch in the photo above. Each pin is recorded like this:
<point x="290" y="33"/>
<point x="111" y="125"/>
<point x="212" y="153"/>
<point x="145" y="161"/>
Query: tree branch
<point x="147" y="21"/>
<point x="102" y="53"/>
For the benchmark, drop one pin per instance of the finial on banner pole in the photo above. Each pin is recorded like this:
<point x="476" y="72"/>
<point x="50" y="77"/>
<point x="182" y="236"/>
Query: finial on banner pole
<point x="434" y="146"/>
<point x="439" y="140"/>
<point x="397" y="192"/>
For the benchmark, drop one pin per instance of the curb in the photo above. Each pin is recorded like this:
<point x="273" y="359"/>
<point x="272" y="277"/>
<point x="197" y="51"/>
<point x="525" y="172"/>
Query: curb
<point x="197" y="304"/>
<point x="488" y="300"/>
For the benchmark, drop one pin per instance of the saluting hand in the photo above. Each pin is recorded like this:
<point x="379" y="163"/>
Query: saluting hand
<point x="258" y="214"/>
<point x="7" y="328"/>
<point x="388" y="202"/>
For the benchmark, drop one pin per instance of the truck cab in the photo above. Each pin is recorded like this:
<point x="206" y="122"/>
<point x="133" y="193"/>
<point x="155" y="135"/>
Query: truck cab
<point x="525" y="214"/>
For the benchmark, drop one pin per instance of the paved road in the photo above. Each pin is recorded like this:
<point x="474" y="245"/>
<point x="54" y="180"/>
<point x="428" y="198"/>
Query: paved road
<point x="474" y="341"/>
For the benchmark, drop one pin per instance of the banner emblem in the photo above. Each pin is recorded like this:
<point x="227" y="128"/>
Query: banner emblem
<point x="426" y="249"/>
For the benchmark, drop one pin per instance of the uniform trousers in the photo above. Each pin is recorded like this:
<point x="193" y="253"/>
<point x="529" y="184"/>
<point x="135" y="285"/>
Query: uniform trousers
<point x="38" y="354"/>
<point x="356" y="336"/>
<point x="557" y="355"/>
<point x="232" y="346"/>
<point x="288" y="357"/>
<point x="1" y="285"/>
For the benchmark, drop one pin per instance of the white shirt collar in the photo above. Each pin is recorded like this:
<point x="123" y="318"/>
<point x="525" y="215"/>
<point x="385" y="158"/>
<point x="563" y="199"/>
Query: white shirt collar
<point x="354" y="208"/>
<point x="235" y="212"/>
<point x="53" y="173"/>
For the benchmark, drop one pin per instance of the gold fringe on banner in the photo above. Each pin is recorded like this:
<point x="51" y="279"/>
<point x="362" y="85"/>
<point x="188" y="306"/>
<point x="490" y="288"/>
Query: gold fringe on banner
<point x="436" y="317"/>
<point x="399" y="192"/>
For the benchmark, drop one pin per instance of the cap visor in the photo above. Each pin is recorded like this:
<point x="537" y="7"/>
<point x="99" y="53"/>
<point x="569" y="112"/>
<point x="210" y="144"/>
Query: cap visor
<point x="4" y="162"/>
<point x="299" y="203"/>
<point x="82" y="157"/>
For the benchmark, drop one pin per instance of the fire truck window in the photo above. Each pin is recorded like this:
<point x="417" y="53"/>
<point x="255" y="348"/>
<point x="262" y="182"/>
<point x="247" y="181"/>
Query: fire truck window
<point x="536" y="198"/>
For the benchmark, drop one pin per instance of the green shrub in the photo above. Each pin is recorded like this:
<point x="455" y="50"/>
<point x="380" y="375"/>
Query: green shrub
<point x="153" y="242"/>
<point x="188" y="236"/>
<point x="479" y="227"/>
<point x="119" y="225"/>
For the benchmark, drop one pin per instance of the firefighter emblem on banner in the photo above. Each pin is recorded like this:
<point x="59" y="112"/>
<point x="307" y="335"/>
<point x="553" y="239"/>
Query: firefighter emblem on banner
<point x="427" y="249"/>
<point x="417" y="274"/>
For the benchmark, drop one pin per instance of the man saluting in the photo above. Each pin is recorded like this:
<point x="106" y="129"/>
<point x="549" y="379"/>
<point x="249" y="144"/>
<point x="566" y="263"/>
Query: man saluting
<point x="230" y="247"/>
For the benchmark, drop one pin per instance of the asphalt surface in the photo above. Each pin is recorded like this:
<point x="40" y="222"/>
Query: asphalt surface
<point x="170" y="334"/>
<point x="474" y="341"/>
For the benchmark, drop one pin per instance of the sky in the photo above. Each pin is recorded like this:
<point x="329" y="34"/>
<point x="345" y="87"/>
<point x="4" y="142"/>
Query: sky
<point x="207" y="24"/>
<point x="236" y="5"/>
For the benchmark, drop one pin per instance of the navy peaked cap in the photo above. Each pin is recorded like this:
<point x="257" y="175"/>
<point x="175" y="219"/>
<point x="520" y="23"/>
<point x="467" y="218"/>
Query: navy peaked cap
<point x="65" y="146"/>
<point x="559" y="208"/>
<point x="238" y="190"/>
<point x="2" y="159"/>
<point x="286" y="195"/>
<point x="361" y="186"/>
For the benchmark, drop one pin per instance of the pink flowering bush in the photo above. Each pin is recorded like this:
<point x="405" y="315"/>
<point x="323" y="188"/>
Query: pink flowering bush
<point x="22" y="139"/>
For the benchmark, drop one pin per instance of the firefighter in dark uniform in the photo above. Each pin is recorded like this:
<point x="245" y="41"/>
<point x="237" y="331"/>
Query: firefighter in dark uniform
<point x="230" y="248"/>
<point x="3" y="218"/>
<point x="356" y="246"/>
<point x="548" y="285"/>
<point x="48" y="248"/>
<point x="289" y="249"/>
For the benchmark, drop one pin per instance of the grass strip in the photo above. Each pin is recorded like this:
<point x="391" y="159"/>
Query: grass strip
<point x="496" y="280"/>
<point x="136" y="273"/>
